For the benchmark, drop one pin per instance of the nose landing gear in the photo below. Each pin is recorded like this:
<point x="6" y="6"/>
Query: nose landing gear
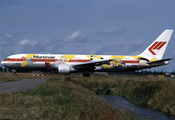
<point x="14" y="72"/>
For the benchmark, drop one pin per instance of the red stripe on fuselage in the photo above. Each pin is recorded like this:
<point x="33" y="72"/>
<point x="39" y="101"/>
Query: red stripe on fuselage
<point x="130" y="61"/>
<point x="46" y="60"/>
<point x="79" y="60"/>
<point x="43" y="60"/>
<point x="72" y="60"/>
<point x="34" y="60"/>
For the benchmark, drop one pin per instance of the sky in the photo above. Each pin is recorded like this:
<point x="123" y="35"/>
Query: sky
<point x="100" y="27"/>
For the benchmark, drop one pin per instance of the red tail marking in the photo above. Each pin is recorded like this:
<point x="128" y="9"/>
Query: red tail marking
<point x="150" y="49"/>
<point x="161" y="45"/>
<point x="156" y="46"/>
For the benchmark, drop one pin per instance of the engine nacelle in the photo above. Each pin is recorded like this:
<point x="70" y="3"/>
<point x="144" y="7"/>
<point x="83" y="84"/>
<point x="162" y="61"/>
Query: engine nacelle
<point x="64" y="69"/>
<point x="143" y="63"/>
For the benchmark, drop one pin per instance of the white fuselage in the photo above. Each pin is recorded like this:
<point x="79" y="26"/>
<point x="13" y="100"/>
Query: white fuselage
<point x="52" y="62"/>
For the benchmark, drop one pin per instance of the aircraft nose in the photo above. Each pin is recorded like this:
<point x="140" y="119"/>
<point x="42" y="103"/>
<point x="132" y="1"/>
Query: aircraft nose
<point x="2" y="62"/>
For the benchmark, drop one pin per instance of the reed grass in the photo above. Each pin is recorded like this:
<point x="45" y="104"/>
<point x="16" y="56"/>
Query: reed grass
<point x="156" y="94"/>
<point x="60" y="98"/>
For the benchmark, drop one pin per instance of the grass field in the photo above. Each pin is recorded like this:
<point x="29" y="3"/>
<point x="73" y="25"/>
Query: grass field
<point x="8" y="77"/>
<point x="74" y="97"/>
<point x="58" y="98"/>
<point x="140" y="90"/>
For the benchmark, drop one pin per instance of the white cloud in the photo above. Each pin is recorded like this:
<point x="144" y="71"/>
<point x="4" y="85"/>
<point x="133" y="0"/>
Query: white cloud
<point x="112" y="31"/>
<point x="95" y="49"/>
<point x="7" y="35"/>
<point x="76" y="36"/>
<point x="23" y="42"/>
<point x="4" y="43"/>
<point x="27" y="42"/>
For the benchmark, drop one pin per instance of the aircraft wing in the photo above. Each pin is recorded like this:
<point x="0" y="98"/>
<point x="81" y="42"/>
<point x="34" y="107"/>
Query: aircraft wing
<point x="165" y="61"/>
<point x="90" y="64"/>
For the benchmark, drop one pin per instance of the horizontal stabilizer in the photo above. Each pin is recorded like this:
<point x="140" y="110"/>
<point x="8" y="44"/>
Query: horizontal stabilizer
<point x="160" y="62"/>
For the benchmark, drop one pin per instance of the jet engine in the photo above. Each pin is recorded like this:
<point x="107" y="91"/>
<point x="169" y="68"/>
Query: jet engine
<point x="143" y="62"/>
<point x="64" y="69"/>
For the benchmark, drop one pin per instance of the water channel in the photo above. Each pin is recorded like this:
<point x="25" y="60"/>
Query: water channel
<point x="147" y="113"/>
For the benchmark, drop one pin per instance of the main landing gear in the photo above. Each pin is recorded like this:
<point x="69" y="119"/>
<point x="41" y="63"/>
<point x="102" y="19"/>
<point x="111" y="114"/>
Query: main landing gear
<point x="86" y="73"/>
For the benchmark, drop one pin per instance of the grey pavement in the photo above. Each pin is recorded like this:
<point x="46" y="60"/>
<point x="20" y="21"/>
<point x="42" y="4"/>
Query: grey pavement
<point x="22" y="85"/>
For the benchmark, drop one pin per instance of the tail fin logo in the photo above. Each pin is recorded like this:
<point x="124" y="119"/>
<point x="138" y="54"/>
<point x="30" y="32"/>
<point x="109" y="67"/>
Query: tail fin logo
<point x="156" y="46"/>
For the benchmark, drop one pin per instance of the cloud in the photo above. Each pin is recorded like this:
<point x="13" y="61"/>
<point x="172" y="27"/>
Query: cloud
<point x="95" y="50"/>
<point x="9" y="39"/>
<point x="120" y="49"/>
<point x="77" y="36"/>
<point x="111" y="50"/>
<point x="4" y="43"/>
<point x="23" y="42"/>
<point x="6" y="39"/>
<point x="112" y="31"/>
<point x="7" y="35"/>
<point x="27" y="42"/>
<point x="42" y="46"/>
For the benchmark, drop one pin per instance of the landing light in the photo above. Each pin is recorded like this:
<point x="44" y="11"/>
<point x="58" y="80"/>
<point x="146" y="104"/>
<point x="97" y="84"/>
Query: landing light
<point x="166" y="62"/>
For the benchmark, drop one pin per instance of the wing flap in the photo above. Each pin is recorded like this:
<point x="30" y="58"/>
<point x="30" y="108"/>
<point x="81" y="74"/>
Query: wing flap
<point x="90" y="64"/>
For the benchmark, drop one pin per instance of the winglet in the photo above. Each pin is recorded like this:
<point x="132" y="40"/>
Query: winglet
<point x="157" y="48"/>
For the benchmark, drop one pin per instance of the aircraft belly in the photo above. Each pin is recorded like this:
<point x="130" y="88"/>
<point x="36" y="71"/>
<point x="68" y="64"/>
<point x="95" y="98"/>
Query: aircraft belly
<point x="13" y="64"/>
<point x="36" y="65"/>
<point x="122" y="68"/>
<point x="29" y="66"/>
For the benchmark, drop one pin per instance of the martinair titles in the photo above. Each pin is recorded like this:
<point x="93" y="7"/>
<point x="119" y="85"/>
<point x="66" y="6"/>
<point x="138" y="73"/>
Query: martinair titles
<point x="44" y="57"/>
<point x="66" y="64"/>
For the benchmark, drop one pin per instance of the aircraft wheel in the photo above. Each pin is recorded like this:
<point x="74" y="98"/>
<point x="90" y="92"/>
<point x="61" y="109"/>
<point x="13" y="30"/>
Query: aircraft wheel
<point x="14" y="74"/>
<point x="86" y="75"/>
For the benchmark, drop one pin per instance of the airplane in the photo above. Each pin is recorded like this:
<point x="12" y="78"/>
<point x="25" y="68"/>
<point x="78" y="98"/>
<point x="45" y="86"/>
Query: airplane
<point x="67" y="64"/>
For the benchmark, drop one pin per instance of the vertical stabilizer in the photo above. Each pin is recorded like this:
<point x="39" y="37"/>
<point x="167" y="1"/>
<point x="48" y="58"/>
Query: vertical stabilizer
<point x="158" y="47"/>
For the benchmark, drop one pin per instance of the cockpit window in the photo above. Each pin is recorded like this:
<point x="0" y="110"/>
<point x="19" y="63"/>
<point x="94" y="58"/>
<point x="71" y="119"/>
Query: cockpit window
<point x="7" y="59"/>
